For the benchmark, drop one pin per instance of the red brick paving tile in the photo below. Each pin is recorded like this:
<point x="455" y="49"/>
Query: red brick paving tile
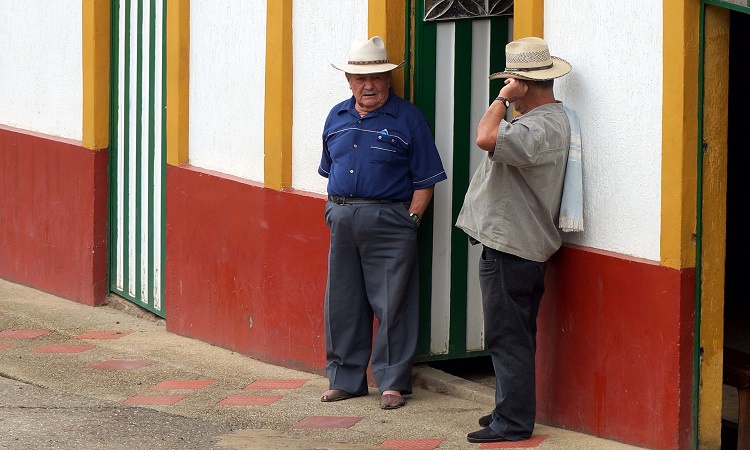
<point x="23" y="334"/>
<point x="250" y="400"/>
<point x="276" y="384"/>
<point x="154" y="399"/>
<point x="183" y="384"/>
<point x="412" y="444"/>
<point x="103" y="334"/>
<point x="532" y="442"/>
<point x="4" y="346"/>
<point x="59" y="348"/>
<point x="327" y="422"/>
<point x="119" y="364"/>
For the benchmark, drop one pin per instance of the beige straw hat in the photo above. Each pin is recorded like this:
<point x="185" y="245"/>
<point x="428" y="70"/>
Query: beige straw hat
<point x="368" y="56"/>
<point x="529" y="59"/>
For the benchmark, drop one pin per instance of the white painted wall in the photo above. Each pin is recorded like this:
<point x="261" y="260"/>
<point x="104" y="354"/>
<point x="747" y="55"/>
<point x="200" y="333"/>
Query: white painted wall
<point x="227" y="86"/>
<point x="41" y="85"/>
<point x="616" y="87"/>
<point x="323" y="33"/>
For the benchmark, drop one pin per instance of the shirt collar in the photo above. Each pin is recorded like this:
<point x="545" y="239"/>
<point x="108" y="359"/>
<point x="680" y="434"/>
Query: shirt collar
<point x="540" y="110"/>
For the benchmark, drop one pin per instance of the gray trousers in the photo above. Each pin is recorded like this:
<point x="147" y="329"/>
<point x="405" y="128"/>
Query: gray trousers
<point x="372" y="270"/>
<point x="512" y="289"/>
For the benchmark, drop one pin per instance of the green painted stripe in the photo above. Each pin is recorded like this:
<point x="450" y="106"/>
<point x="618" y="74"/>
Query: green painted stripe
<point x="163" y="200"/>
<point x="728" y="5"/>
<point x="498" y="37"/>
<point x="114" y="51"/>
<point x="461" y="155"/>
<point x="424" y="98"/>
<point x="151" y="150"/>
<point x="407" y="50"/>
<point x="126" y="156"/>
<point x="138" y="148"/>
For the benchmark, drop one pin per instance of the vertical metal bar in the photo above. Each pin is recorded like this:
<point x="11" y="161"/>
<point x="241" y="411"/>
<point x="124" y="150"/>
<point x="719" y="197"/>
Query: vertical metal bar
<point x="481" y="48"/>
<point x="145" y="148"/>
<point x="149" y="282"/>
<point x="117" y="139"/>
<point x="115" y="133"/>
<point x="697" y="351"/>
<point x="445" y="75"/>
<point x="162" y="173"/>
<point x="130" y="151"/>
<point x="459" y="242"/>
<point x="137" y="173"/>
<point x="424" y="96"/>
<point x="500" y="36"/>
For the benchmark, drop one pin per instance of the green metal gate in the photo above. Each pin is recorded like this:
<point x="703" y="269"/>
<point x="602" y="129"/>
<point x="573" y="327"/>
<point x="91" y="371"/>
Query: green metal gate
<point x="137" y="151"/>
<point x="452" y="62"/>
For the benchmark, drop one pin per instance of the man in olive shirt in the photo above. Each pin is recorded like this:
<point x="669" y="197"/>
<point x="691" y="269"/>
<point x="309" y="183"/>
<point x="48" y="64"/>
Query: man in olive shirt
<point x="511" y="208"/>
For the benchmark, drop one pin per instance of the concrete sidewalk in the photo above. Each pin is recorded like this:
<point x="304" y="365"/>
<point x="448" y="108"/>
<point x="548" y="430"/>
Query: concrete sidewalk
<point x="75" y="376"/>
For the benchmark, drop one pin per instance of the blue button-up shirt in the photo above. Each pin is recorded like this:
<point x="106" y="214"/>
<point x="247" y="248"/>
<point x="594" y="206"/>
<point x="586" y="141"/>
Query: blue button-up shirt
<point x="384" y="155"/>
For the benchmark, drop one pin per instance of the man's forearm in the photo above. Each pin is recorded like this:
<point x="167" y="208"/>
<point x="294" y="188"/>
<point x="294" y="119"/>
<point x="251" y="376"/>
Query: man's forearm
<point x="488" y="125"/>
<point x="420" y="200"/>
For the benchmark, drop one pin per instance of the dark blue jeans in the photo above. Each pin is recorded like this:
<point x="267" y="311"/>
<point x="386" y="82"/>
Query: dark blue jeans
<point x="512" y="289"/>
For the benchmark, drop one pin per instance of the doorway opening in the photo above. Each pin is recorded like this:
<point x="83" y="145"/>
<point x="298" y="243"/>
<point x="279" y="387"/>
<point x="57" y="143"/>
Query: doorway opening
<point x="736" y="304"/>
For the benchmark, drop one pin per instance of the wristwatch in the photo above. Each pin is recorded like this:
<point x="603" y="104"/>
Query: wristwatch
<point x="505" y="101"/>
<point x="414" y="217"/>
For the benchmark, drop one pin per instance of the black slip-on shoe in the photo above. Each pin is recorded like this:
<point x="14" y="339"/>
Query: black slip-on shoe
<point x="485" y="421"/>
<point x="484" y="435"/>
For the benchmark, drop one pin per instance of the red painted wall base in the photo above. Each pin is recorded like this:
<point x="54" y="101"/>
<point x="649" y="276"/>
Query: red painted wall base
<point x="615" y="347"/>
<point x="53" y="215"/>
<point x="246" y="267"/>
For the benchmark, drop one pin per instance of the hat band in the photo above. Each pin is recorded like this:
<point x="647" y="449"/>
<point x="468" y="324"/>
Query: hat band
<point x="377" y="61"/>
<point x="530" y="69"/>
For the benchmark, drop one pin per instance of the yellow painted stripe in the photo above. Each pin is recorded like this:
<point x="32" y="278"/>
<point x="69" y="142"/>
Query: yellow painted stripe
<point x="178" y="68"/>
<point x="528" y="19"/>
<point x="96" y="32"/>
<point x="387" y="19"/>
<point x="679" y="133"/>
<point x="715" y="100"/>
<point x="279" y="95"/>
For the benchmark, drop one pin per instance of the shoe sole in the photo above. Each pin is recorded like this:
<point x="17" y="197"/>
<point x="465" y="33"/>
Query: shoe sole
<point x="337" y="396"/>
<point x="391" y="404"/>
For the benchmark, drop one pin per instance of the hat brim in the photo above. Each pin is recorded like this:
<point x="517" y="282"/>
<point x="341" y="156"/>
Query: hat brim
<point x="559" y="68"/>
<point x="363" y="69"/>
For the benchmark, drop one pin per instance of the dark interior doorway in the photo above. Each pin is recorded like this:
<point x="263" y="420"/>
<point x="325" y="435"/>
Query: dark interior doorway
<point x="738" y="185"/>
<point x="736" y="302"/>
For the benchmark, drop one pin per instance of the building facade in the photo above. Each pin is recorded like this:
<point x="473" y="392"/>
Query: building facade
<point x="166" y="152"/>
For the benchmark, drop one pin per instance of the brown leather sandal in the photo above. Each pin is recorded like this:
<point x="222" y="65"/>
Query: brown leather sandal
<point x="335" y="395"/>
<point x="391" y="401"/>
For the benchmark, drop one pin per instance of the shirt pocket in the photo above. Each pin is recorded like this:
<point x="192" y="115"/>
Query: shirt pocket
<point x="389" y="149"/>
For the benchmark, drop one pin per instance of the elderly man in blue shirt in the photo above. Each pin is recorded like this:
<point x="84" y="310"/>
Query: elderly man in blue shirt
<point x="381" y="162"/>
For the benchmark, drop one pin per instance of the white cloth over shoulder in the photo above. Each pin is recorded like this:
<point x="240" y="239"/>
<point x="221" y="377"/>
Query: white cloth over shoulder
<point x="571" y="205"/>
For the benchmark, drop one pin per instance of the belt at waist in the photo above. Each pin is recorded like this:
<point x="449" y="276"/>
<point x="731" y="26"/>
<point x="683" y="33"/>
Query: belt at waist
<point x="345" y="200"/>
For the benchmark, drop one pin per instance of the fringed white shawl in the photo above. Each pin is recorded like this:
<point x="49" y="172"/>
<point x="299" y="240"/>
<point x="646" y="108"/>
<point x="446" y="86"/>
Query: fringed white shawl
<point x="571" y="205"/>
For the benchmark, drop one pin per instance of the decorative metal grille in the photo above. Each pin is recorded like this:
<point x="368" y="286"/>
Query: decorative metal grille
<point x="466" y="9"/>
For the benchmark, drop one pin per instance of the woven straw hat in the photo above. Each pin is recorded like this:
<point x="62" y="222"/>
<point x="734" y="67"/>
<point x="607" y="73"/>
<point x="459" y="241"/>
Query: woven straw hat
<point x="368" y="56"/>
<point x="529" y="59"/>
